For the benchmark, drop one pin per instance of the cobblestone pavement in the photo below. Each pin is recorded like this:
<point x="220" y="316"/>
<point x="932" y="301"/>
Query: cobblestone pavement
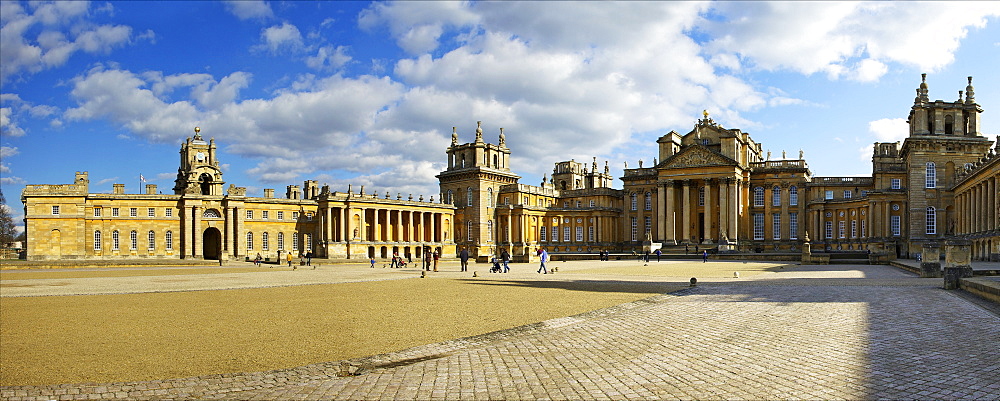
<point x="816" y="333"/>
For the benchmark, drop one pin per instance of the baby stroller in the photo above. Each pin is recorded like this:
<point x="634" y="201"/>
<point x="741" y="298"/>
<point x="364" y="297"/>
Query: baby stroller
<point x="400" y="263"/>
<point x="496" y="266"/>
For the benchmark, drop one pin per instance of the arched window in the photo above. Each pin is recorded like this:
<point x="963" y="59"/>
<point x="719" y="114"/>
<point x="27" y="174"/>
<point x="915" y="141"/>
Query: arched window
<point x="931" y="176"/>
<point x="211" y="214"/>
<point x="281" y="241"/>
<point x="649" y="201"/>
<point x="793" y="196"/>
<point x="931" y="220"/>
<point x="97" y="240"/>
<point x="134" y="240"/>
<point x="264" y="241"/>
<point x="295" y="241"/>
<point x="115" y="240"/>
<point x="468" y="197"/>
<point x="168" y="240"/>
<point x="634" y="205"/>
<point x="758" y="196"/>
<point x="775" y="196"/>
<point x="151" y="237"/>
<point x="249" y="241"/>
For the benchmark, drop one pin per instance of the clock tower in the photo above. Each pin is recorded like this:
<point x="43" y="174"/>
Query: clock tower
<point x="199" y="172"/>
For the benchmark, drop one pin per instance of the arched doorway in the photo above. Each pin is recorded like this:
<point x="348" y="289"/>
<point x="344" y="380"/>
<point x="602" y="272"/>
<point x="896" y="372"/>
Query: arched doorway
<point x="211" y="242"/>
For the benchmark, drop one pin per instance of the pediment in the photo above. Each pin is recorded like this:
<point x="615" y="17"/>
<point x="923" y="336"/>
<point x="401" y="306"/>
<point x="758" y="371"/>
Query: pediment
<point x="696" y="156"/>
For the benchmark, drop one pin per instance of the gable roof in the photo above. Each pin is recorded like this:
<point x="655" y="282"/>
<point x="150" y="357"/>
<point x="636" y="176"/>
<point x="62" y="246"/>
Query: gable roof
<point x="696" y="156"/>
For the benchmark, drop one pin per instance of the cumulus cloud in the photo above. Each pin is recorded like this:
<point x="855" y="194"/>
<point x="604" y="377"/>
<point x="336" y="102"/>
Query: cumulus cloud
<point x="281" y="38"/>
<point x="852" y="40"/>
<point x="64" y="30"/>
<point x="889" y="129"/>
<point x="14" y="111"/>
<point x="249" y="9"/>
<point x="417" y="26"/>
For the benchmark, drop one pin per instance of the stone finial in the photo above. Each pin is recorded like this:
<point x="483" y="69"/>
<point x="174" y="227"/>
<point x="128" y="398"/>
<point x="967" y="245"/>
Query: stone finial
<point x="970" y="93"/>
<point x="387" y="194"/>
<point x="960" y="93"/>
<point x="503" y="138"/>
<point x="640" y="163"/>
<point x="783" y="157"/>
<point x="411" y="197"/>
<point x="479" y="131"/>
<point x="769" y="155"/>
<point x="626" y="164"/>
<point x="801" y="155"/>
<point x="421" y="198"/>
<point x="454" y="136"/>
<point x="608" y="169"/>
<point x="399" y="196"/>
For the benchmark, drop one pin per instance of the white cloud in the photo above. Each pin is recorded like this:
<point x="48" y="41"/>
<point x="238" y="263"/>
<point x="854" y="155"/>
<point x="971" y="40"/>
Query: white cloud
<point x="417" y="26"/>
<point x="249" y="9"/>
<point x="64" y="31"/>
<point x="889" y="129"/>
<point x="328" y="58"/>
<point x="282" y="38"/>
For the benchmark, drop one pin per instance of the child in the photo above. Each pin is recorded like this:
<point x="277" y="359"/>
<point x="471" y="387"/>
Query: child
<point x="373" y="262"/>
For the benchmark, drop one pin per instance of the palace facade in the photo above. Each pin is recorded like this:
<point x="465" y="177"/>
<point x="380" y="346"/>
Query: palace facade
<point x="712" y="187"/>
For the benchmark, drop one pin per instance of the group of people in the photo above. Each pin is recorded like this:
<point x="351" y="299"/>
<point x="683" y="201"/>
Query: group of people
<point x="501" y="264"/>
<point x="305" y="259"/>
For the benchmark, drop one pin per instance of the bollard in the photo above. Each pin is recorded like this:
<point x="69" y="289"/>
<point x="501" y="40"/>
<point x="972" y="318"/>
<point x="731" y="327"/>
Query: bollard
<point x="736" y="274"/>
<point x="423" y="274"/>
<point x="694" y="282"/>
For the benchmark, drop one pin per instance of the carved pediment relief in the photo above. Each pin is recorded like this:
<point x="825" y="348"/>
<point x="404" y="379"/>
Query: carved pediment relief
<point x="696" y="156"/>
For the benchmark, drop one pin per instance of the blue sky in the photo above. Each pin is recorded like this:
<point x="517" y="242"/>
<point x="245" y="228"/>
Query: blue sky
<point x="366" y="93"/>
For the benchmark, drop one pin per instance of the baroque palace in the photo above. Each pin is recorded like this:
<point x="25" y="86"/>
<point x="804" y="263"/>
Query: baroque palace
<point x="712" y="188"/>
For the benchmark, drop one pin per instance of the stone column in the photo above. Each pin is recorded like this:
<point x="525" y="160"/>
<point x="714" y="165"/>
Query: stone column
<point x="723" y="208"/>
<point x="708" y="212"/>
<point x="670" y="213"/>
<point x="227" y="232"/>
<point x="362" y="229"/>
<point x="238" y="220"/>
<point x="661" y="234"/>
<point x="734" y="211"/>
<point x="686" y="213"/>
<point x="196" y="231"/>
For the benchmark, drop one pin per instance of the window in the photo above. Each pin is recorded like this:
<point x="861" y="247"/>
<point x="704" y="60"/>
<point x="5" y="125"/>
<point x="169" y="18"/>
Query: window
<point x="249" y="241"/>
<point x="168" y="239"/>
<point x="489" y="197"/>
<point x="115" y="240"/>
<point x="854" y="229"/>
<point x="211" y="214"/>
<point x="281" y="215"/>
<point x="468" y="231"/>
<point x="793" y="196"/>
<point x="701" y="196"/>
<point x="295" y="215"/>
<point x="295" y="241"/>
<point x="489" y="231"/>
<point x="133" y="212"/>
<point x="864" y="193"/>
<point x="579" y="234"/>
<point x="634" y="228"/>
<point x="97" y="212"/>
<point x="468" y="197"/>
<point x="590" y="233"/>
<point x="840" y="229"/>
<point x="829" y="230"/>
<point x="526" y="201"/>
<point x="649" y="201"/>
<point x="895" y="183"/>
<point x="151" y="212"/>
<point x="775" y="196"/>
<point x="114" y="212"/>
<point x="168" y="212"/>
<point x="541" y="234"/>
<point x="55" y="210"/>
<point x="555" y="234"/>
<point x="847" y="194"/>
<point x="894" y="225"/>
<point x="281" y="241"/>
<point x="249" y="214"/>
<point x="758" y="224"/>
<point x="264" y="215"/>
<point x="930" y="179"/>
<point x="793" y="226"/>
<point x="579" y="204"/>
<point x="648" y="225"/>
<point x="863" y="232"/>
<point x="758" y="196"/>
<point x="97" y="240"/>
<point x="309" y="216"/>
<point x="931" y="220"/>
<point x="634" y="204"/>
<point x="133" y="238"/>
<point x="593" y="203"/>
<point x="829" y="195"/>
<point x="151" y="237"/>
<point x="776" y="226"/>
<point x="309" y="242"/>
<point x="264" y="241"/>
<point x="565" y="204"/>
<point x="566" y="234"/>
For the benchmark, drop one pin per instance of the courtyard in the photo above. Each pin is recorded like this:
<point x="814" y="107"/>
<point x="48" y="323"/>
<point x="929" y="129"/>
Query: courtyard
<point x="594" y="330"/>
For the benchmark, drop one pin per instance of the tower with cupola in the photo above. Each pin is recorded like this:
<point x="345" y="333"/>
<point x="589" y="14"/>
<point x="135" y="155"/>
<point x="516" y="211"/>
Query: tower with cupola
<point x="199" y="172"/>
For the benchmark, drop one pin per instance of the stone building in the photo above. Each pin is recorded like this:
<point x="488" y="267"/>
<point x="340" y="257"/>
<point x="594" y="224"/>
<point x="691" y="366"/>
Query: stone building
<point x="715" y="186"/>
<point x="204" y="220"/>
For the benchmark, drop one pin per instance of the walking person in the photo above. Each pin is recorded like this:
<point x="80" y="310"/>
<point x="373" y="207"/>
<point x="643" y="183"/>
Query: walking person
<point x="505" y="257"/>
<point x="437" y="255"/>
<point x="464" y="257"/>
<point x="373" y="262"/>
<point x="395" y="260"/>
<point x="704" y="256"/>
<point x="543" y="257"/>
<point x="309" y="258"/>
<point x="256" y="261"/>
<point x="289" y="257"/>
<point x="658" y="255"/>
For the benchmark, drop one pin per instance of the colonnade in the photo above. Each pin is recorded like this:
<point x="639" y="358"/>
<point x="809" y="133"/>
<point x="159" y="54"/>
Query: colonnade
<point x="978" y="215"/>
<point x="722" y="197"/>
